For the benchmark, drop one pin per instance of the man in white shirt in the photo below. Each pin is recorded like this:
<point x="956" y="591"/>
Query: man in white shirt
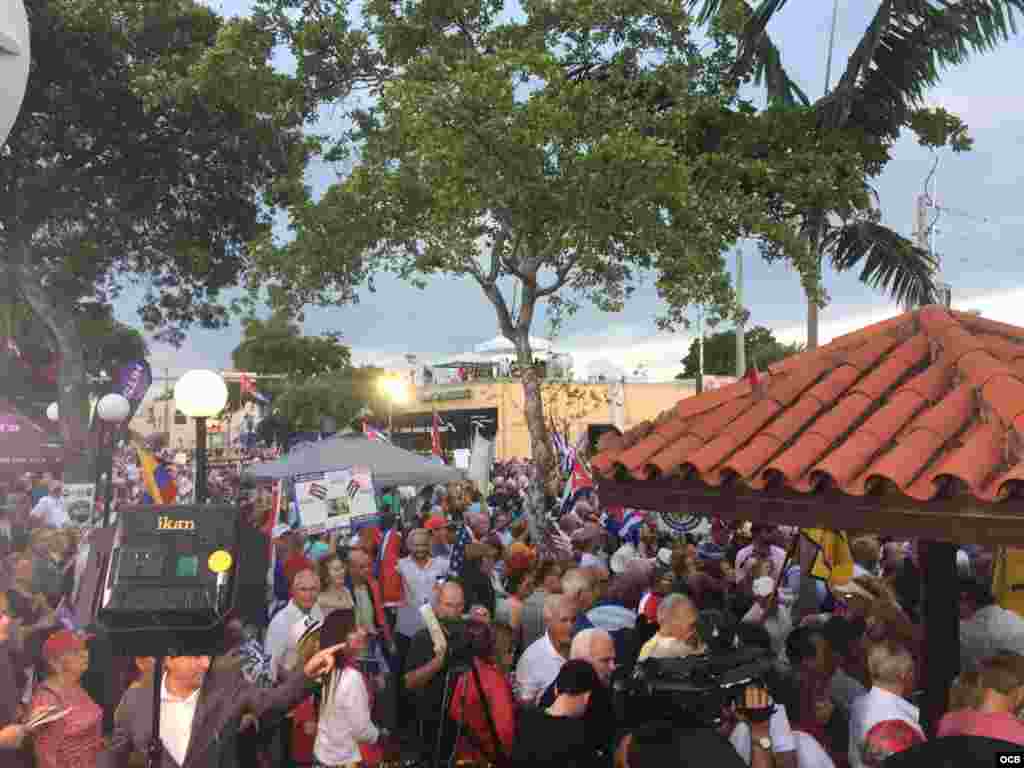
<point x="986" y="628"/>
<point x="540" y="663"/>
<point x="760" y="550"/>
<point x="892" y="675"/>
<point x="49" y="510"/>
<point x="420" y="575"/>
<point x="291" y="622"/>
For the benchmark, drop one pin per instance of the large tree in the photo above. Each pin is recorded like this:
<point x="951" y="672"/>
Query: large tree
<point x="501" y="148"/>
<point x="152" y="143"/>
<point x="277" y="345"/>
<point x="881" y="92"/>
<point x="763" y="349"/>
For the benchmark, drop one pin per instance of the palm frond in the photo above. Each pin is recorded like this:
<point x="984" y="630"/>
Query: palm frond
<point x="903" y="52"/>
<point x="757" y="54"/>
<point x="888" y="261"/>
<point x="768" y="71"/>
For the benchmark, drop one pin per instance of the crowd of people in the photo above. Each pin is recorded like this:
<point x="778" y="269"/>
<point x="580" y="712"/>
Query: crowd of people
<point x="448" y="635"/>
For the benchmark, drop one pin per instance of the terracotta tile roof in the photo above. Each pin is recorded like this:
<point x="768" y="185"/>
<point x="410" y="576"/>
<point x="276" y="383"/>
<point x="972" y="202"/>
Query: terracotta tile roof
<point x="929" y="404"/>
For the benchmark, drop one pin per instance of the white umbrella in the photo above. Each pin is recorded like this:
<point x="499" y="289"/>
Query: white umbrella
<point x="499" y="345"/>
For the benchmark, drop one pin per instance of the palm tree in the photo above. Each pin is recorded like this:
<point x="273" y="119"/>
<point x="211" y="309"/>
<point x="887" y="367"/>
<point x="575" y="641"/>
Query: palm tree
<point x="899" y="57"/>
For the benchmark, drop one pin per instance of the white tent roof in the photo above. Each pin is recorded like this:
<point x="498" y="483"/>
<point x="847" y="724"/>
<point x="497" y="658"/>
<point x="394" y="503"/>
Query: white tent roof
<point x="499" y="345"/>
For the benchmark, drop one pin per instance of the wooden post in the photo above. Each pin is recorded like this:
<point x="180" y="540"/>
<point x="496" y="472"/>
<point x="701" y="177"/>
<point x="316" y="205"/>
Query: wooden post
<point x="941" y="629"/>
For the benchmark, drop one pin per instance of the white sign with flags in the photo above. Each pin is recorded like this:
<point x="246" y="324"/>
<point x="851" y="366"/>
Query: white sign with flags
<point x="80" y="503"/>
<point x="338" y="499"/>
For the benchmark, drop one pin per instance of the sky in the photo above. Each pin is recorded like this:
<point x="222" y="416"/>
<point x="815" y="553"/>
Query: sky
<point x="976" y="238"/>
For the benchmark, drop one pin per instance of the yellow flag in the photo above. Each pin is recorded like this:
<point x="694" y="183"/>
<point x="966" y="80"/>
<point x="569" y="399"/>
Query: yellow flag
<point x="1008" y="579"/>
<point x="834" y="562"/>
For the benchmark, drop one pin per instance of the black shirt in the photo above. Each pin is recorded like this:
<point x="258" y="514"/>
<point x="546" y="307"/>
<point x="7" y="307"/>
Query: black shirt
<point x="430" y="698"/>
<point x="559" y="742"/>
<point x="599" y="719"/>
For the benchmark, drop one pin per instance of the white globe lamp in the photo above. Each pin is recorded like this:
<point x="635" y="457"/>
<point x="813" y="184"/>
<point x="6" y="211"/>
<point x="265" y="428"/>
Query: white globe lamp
<point x="14" y="62"/>
<point x="200" y="395"/>
<point x="53" y="412"/>
<point x="113" y="408"/>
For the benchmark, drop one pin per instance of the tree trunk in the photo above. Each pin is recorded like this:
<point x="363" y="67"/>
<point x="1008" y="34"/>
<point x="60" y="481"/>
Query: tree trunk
<point x="72" y="383"/>
<point x="546" y="480"/>
<point x="812" y="288"/>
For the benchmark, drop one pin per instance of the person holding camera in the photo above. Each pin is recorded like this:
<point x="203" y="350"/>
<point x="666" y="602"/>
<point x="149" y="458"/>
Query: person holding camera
<point x="428" y="664"/>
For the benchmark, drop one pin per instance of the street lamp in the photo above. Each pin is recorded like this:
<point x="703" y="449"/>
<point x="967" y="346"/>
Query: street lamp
<point x="53" y="412"/>
<point x="397" y="391"/>
<point x="200" y="395"/>
<point x="113" y="410"/>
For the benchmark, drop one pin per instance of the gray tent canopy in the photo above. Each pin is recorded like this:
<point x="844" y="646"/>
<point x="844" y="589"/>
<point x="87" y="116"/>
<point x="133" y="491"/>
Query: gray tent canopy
<point x="390" y="466"/>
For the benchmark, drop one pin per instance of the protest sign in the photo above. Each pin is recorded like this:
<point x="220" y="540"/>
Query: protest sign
<point x="337" y="499"/>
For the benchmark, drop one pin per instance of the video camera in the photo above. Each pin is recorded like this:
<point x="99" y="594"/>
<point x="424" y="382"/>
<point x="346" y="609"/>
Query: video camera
<point x="694" y="690"/>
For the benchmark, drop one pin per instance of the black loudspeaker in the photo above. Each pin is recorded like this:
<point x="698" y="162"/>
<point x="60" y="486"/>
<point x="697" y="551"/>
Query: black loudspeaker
<point x="172" y="579"/>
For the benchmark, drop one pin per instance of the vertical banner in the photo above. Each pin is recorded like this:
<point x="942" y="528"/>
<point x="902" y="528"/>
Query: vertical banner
<point x="480" y="462"/>
<point x="133" y="381"/>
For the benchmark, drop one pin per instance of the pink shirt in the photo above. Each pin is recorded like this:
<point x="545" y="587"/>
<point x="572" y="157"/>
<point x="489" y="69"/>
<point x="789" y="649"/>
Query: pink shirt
<point x="76" y="740"/>
<point x="994" y="725"/>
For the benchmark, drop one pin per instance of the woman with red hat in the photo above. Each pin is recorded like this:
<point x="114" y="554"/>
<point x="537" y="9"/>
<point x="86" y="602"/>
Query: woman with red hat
<point x="76" y="739"/>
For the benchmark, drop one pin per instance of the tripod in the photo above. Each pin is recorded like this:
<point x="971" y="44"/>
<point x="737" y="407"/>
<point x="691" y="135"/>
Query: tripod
<point x="452" y="672"/>
<point x="153" y="753"/>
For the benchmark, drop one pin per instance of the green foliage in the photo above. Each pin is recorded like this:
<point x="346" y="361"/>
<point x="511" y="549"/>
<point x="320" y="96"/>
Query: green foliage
<point x="278" y="346"/>
<point x="151" y="161"/>
<point x="762" y="350"/>
<point x="302" y="404"/>
<point x="900" y="56"/>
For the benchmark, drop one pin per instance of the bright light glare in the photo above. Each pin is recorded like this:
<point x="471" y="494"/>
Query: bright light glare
<point x="396" y="390"/>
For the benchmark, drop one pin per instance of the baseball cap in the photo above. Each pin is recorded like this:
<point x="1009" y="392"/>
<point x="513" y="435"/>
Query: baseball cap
<point x="63" y="641"/>
<point x="888" y="738"/>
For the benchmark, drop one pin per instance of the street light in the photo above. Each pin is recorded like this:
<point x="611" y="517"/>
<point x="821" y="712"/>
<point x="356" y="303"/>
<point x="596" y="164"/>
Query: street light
<point x="53" y="412"/>
<point x="113" y="410"/>
<point x="397" y="391"/>
<point x="200" y="395"/>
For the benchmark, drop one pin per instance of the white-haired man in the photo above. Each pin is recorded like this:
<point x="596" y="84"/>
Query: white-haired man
<point x="677" y="634"/>
<point x="540" y="663"/>
<point x="892" y="672"/>
<point x="596" y="647"/>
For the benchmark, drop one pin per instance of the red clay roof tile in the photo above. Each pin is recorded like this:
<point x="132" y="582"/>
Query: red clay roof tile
<point x="926" y="402"/>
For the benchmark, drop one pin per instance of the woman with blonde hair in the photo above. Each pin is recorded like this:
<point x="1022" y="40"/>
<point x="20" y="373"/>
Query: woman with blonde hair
<point x="334" y="594"/>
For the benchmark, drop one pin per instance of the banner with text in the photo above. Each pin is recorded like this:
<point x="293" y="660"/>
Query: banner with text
<point x="342" y="498"/>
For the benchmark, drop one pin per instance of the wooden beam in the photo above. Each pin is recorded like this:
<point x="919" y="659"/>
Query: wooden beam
<point x="953" y="520"/>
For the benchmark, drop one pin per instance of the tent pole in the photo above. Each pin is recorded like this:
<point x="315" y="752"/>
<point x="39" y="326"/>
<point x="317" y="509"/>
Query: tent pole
<point x="941" y="628"/>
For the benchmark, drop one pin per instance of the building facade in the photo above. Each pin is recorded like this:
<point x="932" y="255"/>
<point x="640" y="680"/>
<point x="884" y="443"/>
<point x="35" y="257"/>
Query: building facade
<point x="497" y="410"/>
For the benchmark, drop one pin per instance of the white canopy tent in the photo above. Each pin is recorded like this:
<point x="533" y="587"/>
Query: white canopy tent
<point x="499" y="346"/>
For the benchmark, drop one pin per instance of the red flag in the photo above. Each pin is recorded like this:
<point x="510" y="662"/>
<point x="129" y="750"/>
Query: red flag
<point x="753" y="376"/>
<point x="435" y="436"/>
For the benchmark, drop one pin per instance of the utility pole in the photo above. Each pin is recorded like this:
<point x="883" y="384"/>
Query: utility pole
<point x="167" y="406"/>
<point x="741" y="334"/>
<point x="813" y="310"/>
<point x="700" y="350"/>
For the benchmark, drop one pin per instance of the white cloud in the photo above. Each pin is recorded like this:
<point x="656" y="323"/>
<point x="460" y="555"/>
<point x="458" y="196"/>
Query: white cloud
<point x="661" y="353"/>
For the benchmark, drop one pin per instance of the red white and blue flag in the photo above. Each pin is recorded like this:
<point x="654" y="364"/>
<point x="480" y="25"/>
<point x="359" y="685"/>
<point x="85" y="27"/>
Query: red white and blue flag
<point x="373" y="433"/>
<point x="579" y="484"/>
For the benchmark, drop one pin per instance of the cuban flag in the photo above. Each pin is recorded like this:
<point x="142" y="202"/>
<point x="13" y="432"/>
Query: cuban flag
<point x="632" y="522"/>
<point x="578" y="485"/>
<point x="565" y="453"/>
<point x="373" y="433"/>
<point x="248" y="387"/>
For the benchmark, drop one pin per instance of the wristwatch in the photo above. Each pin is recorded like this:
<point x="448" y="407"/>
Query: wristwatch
<point x="764" y="743"/>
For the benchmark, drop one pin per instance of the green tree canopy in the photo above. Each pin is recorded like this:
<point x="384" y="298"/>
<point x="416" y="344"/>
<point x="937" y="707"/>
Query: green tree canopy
<point x="763" y="349"/>
<point x="501" y="148"/>
<point x="149" y="163"/>
<point x="277" y="345"/>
